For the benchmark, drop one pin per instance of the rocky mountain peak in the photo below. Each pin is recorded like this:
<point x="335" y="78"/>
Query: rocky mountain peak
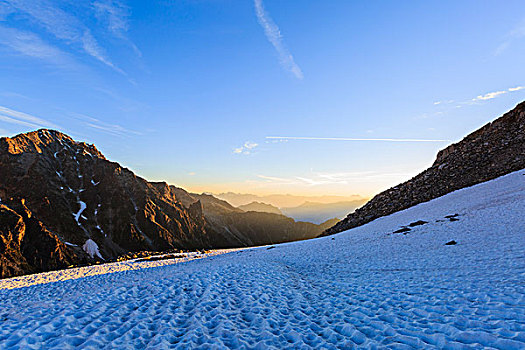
<point x="67" y="191"/>
<point x="47" y="141"/>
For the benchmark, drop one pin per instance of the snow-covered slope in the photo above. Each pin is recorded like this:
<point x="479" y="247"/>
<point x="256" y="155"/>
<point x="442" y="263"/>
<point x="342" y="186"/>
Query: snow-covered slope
<point x="364" y="287"/>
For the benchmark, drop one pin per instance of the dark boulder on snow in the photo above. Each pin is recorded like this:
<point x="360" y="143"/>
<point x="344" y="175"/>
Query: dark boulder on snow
<point x="402" y="230"/>
<point x="417" y="223"/>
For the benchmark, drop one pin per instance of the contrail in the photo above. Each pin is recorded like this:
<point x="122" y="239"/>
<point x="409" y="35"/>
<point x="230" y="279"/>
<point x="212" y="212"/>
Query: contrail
<point x="351" y="139"/>
<point x="276" y="39"/>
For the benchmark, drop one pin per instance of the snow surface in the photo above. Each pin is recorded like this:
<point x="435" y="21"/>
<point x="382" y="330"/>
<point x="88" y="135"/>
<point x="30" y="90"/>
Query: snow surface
<point x="102" y="269"/>
<point x="365" y="287"/>
<point x="91" y="248"/>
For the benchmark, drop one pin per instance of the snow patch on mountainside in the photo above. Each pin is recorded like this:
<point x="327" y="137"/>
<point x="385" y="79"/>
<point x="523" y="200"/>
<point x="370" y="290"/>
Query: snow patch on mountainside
<point x="91" y="248"/>
<point x="366" y="287"/>
<point x="79" y="213"/>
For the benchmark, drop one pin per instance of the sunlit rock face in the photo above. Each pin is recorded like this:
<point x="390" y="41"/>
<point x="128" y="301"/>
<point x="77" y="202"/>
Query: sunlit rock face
<point x="496" y="149"/>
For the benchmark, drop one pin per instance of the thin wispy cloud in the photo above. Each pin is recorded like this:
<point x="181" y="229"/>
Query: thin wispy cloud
<point x="12" y="116"/>
<point x="11" y="94"/>
<point x="275" y="179"/>
<point x="91" y="46"/>
<point x="29" y="44"/>
<point x="443" y="102"/>
<point x="62" y="25"/>
<point x="518" y="32"/>
<point x="246" y="149"/>
<point x="297" y="181"/>
<point x="445" y="106"/>
<point x="489" y="96"/>
<point x="115" y="15"/>
<point x="324" y="179"/>
<point x="480" y="98"/>
<point x="494" y="94"/>
<point x="112" y="129"/>
<point x="274" y="36"/>
<point x="352" y="139"/>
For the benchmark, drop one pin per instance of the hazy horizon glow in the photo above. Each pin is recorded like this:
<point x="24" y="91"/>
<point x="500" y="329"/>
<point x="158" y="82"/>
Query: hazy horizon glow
<point x="348" y="139"/>
<point x="202" y="94"/>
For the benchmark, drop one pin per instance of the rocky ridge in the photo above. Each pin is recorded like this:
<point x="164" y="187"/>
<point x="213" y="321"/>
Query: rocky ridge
<point x="496" y="149"/>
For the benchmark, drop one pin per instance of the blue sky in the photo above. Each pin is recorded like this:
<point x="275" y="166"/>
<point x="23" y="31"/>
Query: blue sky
<point x="190" y="91"/>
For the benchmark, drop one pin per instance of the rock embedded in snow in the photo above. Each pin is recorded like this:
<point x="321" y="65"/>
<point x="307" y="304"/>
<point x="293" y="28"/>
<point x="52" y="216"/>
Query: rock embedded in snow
<point x="402" y="230"/>
<point x="417" y="223"/>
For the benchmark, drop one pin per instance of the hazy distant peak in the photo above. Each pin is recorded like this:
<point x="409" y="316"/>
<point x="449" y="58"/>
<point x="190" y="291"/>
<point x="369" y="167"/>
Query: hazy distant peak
<point x="282" y="200"/>
<point x="261" y="207"/>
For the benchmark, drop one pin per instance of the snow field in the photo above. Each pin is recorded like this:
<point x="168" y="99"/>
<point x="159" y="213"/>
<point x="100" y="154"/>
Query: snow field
<point x="365" y="287"/>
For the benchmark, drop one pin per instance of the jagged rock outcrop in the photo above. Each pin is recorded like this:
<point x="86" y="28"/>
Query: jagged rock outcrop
<point x="27" y="246"/>
<point x="496" y="149"/>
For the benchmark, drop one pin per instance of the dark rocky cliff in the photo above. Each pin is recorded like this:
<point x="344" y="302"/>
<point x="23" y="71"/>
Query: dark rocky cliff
<point x="63" y="202"/>
<point x="496" y="149"/>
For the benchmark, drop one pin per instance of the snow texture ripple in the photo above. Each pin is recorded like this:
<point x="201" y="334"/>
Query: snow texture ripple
<point x="366" y="287"/>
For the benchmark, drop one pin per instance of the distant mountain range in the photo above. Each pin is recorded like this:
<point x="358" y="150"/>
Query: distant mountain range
<point x="282" y="200"/>
<point x="316" y="213"/>
<point x="235" y="227"/>
<point x="320" y="212"/>
<point x="301" y="208"/>
<point x="63" y="203"/>
<point x="496" y="149"/>
<point x="261" y="207"/>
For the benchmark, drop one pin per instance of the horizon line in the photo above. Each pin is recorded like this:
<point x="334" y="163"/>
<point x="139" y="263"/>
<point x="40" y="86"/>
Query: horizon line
<point x="352" y="139"/>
